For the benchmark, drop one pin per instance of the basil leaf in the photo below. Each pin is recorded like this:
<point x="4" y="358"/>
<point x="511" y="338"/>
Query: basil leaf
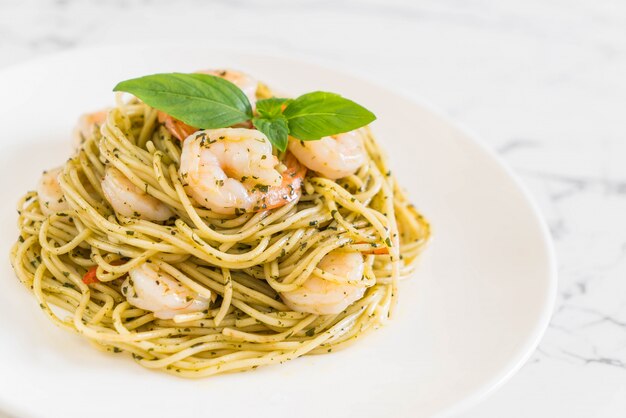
<point x="318" y="114"/>
<point x="200" y="100"/>
<point x="275" y="129"/>
<point x="271" y="108"/>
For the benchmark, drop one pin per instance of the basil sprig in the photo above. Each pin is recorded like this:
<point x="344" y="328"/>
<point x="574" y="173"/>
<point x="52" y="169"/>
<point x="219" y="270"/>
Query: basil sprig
<point x="318" y="114"/>
<point x="210" y="102"/>
<point x="199" y="100"/>
<point x="271" y="122"/>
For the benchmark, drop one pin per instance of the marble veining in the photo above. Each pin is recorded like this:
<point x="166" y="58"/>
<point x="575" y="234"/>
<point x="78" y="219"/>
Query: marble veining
<point x="541" y="81"/>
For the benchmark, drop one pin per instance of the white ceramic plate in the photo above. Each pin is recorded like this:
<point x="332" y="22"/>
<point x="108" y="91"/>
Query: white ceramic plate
<point x="466" y="321"/>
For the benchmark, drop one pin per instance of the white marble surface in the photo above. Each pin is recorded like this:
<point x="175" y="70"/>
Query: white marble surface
<point x="543" y="82"/>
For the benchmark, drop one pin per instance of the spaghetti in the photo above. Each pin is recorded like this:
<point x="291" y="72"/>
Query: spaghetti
<point x="78" y="260"/>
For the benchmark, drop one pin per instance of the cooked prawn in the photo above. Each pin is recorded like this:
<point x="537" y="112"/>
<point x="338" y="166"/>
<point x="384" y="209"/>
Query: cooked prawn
<point x="149" y="288"/>
<point x="50" y="194"/>
<point x="232" y="171"/>
<point x="86" y="126"/>
<point x="129" y="200"/>
<point x="324" y="297"/>
<point x="180" y="130"/>
<point x="246" y="83"/>
<point x="334" y="156"/>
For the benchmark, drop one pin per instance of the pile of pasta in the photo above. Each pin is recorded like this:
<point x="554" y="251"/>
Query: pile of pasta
<point x="77" y="261"/>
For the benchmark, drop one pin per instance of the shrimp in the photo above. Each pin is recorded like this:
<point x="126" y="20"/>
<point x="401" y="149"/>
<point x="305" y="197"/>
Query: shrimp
<point x="180" y="130"/>
<point x="149" y="288"/>
<point x="130" y="200"/>
<point x="86" y="125"/>
<point x="50" y="193"/>
<point x="324" y="297"/>
<point x="334" y="156"/>
<point x="246" y="83"/>
<point x="232" y="171"/>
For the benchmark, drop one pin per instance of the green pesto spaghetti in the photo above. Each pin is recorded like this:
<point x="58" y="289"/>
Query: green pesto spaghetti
<point x="200" y="251"/>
